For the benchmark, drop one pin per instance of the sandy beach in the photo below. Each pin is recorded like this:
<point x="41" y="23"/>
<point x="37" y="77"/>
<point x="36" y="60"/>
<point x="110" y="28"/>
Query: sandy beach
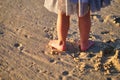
<point x="26" y="28"/>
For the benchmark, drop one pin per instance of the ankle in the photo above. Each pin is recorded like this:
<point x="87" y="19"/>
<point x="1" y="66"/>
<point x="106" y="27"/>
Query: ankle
<point x="62" y="45"/>
<point x="84" y="43"/>
<point x="61" y="42"/>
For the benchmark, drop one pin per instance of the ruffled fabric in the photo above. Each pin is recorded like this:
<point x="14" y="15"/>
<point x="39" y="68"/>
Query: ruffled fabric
<point x="80" y="7"/>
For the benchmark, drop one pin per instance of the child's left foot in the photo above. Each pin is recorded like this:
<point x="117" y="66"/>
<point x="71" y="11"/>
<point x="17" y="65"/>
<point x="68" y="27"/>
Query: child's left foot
<point x="55" y="44"/>
<point x="90" y="44"/>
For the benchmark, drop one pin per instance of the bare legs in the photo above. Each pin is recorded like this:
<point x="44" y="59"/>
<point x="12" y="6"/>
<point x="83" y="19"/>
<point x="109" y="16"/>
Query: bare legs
<point x="62" y="27"/>
<point x="62" y="30"/>
<point x="84" y="28"/>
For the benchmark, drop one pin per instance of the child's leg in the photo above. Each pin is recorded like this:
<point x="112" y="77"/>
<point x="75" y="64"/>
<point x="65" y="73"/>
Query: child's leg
<point x="62" y="30"/>
<point x="84" y="27"/>
<point x="62" y="26"/>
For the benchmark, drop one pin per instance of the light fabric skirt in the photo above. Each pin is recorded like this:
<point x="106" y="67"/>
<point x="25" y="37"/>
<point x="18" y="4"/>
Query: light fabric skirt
<point x="80" y="7"/>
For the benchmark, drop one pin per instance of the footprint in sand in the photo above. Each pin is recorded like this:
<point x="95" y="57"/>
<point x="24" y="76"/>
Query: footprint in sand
<point x="107" y="61"/>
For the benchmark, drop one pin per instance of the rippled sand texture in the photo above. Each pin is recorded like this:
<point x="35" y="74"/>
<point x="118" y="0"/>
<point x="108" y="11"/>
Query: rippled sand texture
<point x="25" y="29"/>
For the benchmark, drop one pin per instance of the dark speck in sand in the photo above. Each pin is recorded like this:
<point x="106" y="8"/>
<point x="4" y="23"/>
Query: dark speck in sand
<point x="16" y="45"/>
<point x="51" y="60"/>
<point x="117" y="20"/>
<point x="104" y="32"/>
<point x="91" y="55"/>
<point x="65" y="73"/>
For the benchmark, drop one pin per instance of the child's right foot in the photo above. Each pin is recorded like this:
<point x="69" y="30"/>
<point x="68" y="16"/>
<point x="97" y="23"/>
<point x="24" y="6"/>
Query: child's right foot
<point x="55" y="44"/>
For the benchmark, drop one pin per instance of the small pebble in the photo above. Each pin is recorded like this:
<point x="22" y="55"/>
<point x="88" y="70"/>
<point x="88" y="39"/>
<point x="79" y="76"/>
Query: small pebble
<point x="82" y="67"/>
<point x="107" y="18"/>
<point x="65" y="73"/>
<point x="113" y="40"/>
<point x="118" y="24"/>
<point x="76" y="59"/>
<point x="114" y="22"/>
<point x="26" y="36"/>
<point x="16" y="45"/>
<point x="83" y="55"/>
<point x="96" y="69"/>
<point x="107" y="72"/>
<point x="51" y="60"/>
<point x="117" y="20"/>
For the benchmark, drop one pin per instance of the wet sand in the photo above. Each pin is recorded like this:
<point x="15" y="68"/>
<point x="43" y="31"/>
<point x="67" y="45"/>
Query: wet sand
<point x="26" y="28"/>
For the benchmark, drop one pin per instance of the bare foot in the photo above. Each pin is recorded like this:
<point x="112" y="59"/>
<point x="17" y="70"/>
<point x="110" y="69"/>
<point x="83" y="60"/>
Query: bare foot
<point x="55" y="44"/>
<point x="87" y="46"/>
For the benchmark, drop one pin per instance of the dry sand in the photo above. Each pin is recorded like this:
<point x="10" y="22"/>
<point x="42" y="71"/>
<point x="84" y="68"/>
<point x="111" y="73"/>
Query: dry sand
<point x="25" y="29"/>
